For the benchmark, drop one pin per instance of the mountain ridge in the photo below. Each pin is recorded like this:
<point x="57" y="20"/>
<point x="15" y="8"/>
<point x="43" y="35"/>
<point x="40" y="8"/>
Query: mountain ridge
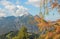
<point x="12" y="23"/>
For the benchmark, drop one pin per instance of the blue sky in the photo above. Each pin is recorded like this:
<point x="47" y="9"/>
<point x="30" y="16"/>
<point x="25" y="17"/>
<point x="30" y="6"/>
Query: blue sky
<point x="20" y="7"/>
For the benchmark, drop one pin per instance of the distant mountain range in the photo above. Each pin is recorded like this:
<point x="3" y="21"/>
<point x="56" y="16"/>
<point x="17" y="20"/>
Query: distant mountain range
<point x="12" y="23"/>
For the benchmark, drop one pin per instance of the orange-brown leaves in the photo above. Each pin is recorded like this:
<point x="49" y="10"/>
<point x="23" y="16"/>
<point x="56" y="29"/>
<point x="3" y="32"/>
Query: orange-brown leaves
<point x="47" y="25"/>
<point x="42" y="24"/>
<point x="54" y="5"/>
<point x="58" y="29"/>
<point x="49" y="35"/>
<point x="57" y="36"/>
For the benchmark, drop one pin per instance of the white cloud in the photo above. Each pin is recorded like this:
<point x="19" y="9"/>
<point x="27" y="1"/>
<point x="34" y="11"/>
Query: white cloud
<point x="21" y="7"/>
<point x="35" y="3"/>
<point x="2" y="13"/>
<point x="11" y="9"/>
<point x="33" y="0"/>
<point x="21" y="10"/>
<point x="8" y="5"/>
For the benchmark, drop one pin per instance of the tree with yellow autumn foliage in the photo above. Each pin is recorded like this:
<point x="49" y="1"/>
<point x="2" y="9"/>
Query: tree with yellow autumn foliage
<point x="22" y="34"/>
